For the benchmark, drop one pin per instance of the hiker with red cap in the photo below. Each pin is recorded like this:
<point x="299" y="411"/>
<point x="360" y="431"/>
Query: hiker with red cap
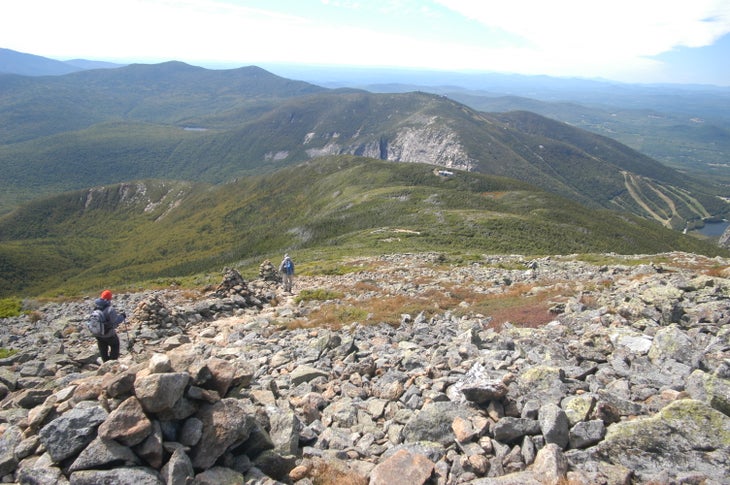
<point x="107" y="338"/>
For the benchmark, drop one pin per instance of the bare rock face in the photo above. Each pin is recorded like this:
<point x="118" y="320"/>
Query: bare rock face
<point x="430" y="144"/>
<point x="628" y="382"/>
<point x="423" y="140"/>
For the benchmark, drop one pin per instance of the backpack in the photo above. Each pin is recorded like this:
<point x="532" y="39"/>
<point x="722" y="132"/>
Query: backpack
<point x="98" y="323"/>
<point x="288" y="266"/>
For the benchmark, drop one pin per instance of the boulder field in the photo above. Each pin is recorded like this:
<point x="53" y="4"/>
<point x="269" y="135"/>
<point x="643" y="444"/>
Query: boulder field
<point x="619" y="373"/>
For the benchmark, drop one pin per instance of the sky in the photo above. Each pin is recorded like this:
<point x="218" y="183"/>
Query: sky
<point x="636" y="41"/>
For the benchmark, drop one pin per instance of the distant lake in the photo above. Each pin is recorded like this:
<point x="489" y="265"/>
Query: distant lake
<point x="714" y="229"/>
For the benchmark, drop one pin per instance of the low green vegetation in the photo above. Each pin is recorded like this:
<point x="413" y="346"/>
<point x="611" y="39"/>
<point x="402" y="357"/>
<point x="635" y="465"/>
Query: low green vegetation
<point x="10" y="307"/>
<point x="4" y="353"/>
<point x="165" y="233"/>
<point x="319" y="294"/>
<point x="145" y="133"/>
<point x="609" y="259"/>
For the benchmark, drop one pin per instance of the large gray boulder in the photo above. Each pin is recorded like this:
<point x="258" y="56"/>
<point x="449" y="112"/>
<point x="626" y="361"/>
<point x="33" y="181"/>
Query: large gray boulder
<point x="433" y="422"/>
<point x="70" y="433"/>
<point x="160" y="392"/>
<point x="225" y="424"/>
<point x="686" y="436"/>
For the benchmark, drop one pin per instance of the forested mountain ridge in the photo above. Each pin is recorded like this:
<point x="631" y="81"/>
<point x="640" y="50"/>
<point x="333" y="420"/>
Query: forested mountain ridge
<point x="148" y="232"/>
<point x="167" y="94"/>
<point x="173" y="120"/>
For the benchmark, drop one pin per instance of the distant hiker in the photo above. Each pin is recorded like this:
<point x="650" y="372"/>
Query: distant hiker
<point x="286" y="268"/>
<point x="103" y="323"/>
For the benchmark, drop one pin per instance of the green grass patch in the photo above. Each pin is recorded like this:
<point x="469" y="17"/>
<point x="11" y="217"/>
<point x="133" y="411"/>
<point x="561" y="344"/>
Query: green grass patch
<point x="350" y="314"/>
<point x="10" y="307"/>
<point x="611" y="259"/>
<point x="4" y="353"/>
<point x="318" y="294"/>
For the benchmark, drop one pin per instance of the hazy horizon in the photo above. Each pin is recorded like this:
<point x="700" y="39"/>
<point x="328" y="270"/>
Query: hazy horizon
<point x="652" y="41"/>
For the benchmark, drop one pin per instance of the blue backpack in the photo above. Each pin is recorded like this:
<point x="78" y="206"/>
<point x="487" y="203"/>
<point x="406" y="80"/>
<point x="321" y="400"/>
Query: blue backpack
<point x="288" y="266"/>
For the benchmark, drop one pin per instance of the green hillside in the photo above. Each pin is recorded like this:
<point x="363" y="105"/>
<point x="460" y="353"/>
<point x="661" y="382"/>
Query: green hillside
<point x="175" y="121"/>
<point x="169" y="93"/>
<point x="690" y="138"/>
<point x="411" y="127"/>
<point x="129" y="233"/>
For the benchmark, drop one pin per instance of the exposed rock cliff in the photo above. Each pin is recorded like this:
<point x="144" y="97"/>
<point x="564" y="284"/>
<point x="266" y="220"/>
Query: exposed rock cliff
<point x="425" y="142"/>
<point x="725" y="239"/>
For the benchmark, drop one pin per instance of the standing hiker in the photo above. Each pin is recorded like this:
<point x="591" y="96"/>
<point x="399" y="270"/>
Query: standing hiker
<point x="286" y="268"/>
<point x="103" y="324"/>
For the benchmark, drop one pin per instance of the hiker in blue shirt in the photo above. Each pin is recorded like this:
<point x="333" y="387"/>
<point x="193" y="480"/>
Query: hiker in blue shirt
<point x="108" y="342"/>
<point x="286" y="269"/>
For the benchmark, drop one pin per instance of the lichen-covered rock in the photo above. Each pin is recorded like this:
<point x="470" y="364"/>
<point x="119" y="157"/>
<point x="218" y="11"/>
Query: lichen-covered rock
<point x="710" y="388"/>
<point x="9" y="440"/>
<point x="433" y="422"/>
<point x="686" y="436"/>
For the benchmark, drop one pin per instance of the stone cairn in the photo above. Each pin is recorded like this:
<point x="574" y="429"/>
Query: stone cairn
<point x="153" y="311"/>
<point x="153" y="321"/>
<point x="233" y="285"/>
<point x="268" y="272"/>
<point x="157" y="320"/>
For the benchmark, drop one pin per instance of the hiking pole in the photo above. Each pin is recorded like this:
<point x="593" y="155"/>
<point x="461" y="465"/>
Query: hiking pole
<point x="126" y="333"/>
<point x="129" y="340"/>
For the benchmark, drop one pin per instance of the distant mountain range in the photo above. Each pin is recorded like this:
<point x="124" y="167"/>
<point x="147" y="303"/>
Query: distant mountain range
<point x="145" y="171"/>
<point x="175" y="120"/>
<point x="13" y="62"/>
<point x="684" y="126"/>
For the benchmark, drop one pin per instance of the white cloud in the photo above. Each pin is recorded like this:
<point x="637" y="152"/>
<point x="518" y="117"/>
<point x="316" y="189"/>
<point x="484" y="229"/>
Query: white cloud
<point x="558" y="37"/>
<point x="189" y="29"/>
<point x="566" y="31"/>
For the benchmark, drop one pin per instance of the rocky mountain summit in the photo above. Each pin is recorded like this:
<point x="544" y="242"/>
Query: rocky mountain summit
<point x="628" y="382"/>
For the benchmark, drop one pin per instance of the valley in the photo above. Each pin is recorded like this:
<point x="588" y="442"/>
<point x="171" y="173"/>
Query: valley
<point x="183" y="168"/>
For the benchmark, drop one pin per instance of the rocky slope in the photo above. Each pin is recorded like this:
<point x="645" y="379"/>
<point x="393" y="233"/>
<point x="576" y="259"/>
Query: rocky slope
<point x="629" y="382"/>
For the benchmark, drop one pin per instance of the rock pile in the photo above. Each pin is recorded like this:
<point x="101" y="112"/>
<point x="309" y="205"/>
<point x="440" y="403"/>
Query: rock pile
<point x="630" y="383"/>
<point x="157" y="320"/>
<point x="234" y="288"/>
<point x="268" y="272"/>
